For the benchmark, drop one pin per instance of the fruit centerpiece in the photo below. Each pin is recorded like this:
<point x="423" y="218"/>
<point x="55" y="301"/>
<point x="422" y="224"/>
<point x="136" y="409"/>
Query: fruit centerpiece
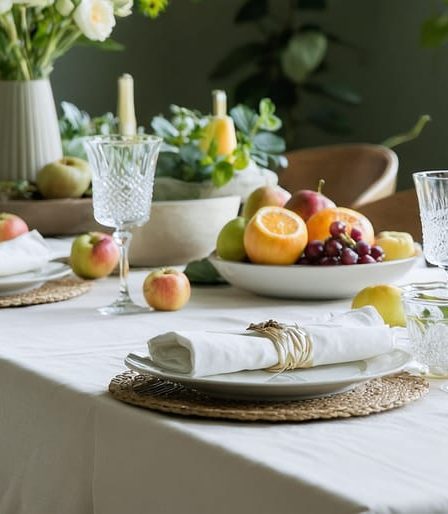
<point x="301" y="246"/>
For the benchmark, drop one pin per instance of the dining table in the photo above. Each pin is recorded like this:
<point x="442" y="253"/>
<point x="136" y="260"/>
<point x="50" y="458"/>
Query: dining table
<point x="68" y="447"/>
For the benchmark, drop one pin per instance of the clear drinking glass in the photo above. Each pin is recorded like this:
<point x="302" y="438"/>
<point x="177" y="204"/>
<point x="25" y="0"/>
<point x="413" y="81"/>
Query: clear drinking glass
<point x="123" y="176"/>
<point x="432" y="193"/>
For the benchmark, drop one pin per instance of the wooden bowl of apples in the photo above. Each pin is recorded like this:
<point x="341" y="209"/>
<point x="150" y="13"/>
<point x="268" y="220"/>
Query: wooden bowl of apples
<point x="54" y="205"/>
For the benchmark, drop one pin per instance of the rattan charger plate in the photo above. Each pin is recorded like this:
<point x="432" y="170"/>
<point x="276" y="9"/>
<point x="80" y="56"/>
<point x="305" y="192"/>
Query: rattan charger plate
<point x="371" y="397"/>
<point x="53" y="291"/>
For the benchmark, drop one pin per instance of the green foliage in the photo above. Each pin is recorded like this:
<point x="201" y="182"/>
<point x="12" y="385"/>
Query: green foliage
<point x="75" y="124"/>
<point x="182" y="157"/>
<point x="434" y="30"/>
<point x="203" y="273"/>
<point x="413" y="133"/>
<point x="287" y="63"/>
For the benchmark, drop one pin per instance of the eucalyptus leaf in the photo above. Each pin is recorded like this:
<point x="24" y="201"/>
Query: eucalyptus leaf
<point x="244" y="118"/>
<point x="303" y="54"/>
<point x="190" y="153"/>
<point x="163" y="128"/>
<point x="269" y="143"/>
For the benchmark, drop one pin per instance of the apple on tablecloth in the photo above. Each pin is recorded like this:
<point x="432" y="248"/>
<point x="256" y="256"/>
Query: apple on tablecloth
<point x="11" y="226"/>
<point x="166" y="289"/>
<point x="94" y="255"/>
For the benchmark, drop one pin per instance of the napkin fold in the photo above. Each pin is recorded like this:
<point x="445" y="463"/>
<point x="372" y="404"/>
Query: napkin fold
<point x="354" y="335"/>
<point x="24" y="253"/>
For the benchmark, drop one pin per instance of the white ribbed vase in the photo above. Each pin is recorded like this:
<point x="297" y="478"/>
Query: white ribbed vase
<point x="29" y="132"/>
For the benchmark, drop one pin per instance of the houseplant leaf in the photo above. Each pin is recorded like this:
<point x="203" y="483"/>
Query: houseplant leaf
<point x="334" y="90"/>
<point x="236" y="59"/>
<point x="303" y="54"/>
<point x="252" y="10"/>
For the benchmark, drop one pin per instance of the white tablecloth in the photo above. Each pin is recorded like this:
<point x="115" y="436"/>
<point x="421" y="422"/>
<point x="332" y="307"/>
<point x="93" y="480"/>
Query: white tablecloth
<point x="66" y="447"/>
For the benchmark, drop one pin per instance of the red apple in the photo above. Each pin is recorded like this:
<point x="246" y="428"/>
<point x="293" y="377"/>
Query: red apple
<point x="11" y="226"/>
<point x="166" y="289"/>
<point x="94" y="255"/>
<point x="265" y="196"/>
<point x="305" y="202"/>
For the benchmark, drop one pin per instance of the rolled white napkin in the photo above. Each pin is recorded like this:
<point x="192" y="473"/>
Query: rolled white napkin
<point x="23" y="253"/>
<point x="354" y="335"/>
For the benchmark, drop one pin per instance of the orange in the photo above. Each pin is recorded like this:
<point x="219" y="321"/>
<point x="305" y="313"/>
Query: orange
<point x="275" y="235"/>
<point x="319" y="224"/>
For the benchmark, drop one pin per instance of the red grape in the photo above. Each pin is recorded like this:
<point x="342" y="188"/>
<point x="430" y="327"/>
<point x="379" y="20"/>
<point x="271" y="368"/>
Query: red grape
<point x="329" y="261"/>
<point x="303" y="260"/>
<point x="356" y="234"/>
<point x="333" y="248"/>
<point x="366" y="259"/>
<point x="362" y="248"/>
<point x="314" y="250"/>
<point x="337" y="228"/>
<point x="349" y="256"/>
<point x="377" y="253"/>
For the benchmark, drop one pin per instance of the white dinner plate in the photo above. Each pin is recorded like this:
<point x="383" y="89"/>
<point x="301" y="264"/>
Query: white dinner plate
<point x="302" y="383"/>
<point x="310" y="282"/>
<point x="22" y="282"/>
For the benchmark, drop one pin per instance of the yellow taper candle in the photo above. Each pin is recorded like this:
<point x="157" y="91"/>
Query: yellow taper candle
<point x="125" y="110"/>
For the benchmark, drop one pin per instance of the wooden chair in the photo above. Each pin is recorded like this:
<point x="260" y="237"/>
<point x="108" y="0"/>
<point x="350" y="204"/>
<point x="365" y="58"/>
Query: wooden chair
<point x="354" y="174"/>
<point x="396" y="212"/>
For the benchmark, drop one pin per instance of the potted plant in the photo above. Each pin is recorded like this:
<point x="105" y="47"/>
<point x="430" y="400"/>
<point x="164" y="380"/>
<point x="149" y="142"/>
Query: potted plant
<point x="33" y="34"/>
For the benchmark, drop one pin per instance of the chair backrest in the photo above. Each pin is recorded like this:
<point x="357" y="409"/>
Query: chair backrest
<point x="354" y="174"/>
<point x="397" y="212"/>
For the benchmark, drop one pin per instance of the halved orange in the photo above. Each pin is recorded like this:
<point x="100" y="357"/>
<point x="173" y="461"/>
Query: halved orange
<point x="275" y="235"/>
<point x="319" y="223"/>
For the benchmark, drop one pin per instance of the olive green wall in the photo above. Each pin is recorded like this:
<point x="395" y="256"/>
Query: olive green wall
<point x="171" y="57"/>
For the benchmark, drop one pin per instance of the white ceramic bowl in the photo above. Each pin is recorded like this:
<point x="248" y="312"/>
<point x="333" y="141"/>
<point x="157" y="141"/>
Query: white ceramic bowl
<point x="310" y="282"/>
<point x="181" y="231"/>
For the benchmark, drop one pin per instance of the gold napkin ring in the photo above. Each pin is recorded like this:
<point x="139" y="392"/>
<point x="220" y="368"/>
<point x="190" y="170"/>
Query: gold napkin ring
<point x="292" y="343"/>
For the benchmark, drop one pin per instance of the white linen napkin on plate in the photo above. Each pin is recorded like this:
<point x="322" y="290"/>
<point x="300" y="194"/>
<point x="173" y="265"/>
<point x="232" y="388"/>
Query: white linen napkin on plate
<point x="350" y="336"/>
<point x="26" y="252"/>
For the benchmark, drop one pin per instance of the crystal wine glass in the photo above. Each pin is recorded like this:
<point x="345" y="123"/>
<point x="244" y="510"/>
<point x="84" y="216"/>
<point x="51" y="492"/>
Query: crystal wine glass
<point x="123" y="176"/>
<point x="432" y="193"/>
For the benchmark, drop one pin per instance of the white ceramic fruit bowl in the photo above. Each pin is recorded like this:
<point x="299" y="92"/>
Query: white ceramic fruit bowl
<point x="180" y="231"/>
<point x="311" y="282"/>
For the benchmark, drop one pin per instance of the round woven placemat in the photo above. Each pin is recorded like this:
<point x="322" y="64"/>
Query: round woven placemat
<point x="54" y="291"/>
<point x="378" y="395"/>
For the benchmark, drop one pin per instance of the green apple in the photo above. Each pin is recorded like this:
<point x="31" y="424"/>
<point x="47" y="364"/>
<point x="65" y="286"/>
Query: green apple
<point x="230" y="243"/>
<point x="94" y="255"/>
<point x="68" y="177"/>
<point x="387" y="301"/>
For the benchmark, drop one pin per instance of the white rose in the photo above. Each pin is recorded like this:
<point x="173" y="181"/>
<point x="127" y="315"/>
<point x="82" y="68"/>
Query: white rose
<point x="123" y="8"/>
<point x="5" y="6"/>
<point x="95" y="18"/>
<point x="64" y="7"/>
